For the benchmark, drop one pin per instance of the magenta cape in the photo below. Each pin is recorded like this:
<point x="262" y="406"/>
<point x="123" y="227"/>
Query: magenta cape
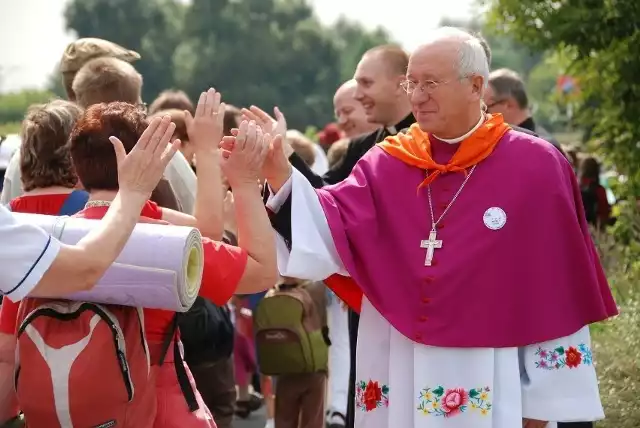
<point x="537" y="278"/>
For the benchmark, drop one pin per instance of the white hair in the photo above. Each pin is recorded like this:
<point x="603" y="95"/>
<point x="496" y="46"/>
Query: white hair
<point x="473" y="59"/>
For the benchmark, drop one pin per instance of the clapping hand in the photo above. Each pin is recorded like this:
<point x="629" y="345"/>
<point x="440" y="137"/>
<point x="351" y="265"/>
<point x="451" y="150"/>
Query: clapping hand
<point x="243" y="155"/>
<point x="205" y="129"/>
<point x="269" y="125"/>
<point x="140" y="171"/>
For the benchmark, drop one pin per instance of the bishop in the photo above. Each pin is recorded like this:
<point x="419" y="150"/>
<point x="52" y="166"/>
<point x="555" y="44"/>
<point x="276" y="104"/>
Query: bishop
<point x="493" y="331"/>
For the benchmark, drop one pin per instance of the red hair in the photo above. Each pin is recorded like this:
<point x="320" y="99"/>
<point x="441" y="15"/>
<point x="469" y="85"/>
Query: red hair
<point x="93" y="155"/>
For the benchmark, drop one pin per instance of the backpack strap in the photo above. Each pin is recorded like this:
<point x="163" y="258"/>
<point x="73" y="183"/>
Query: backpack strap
<point x="181" y="372"/>
<point x="74" y="203"/>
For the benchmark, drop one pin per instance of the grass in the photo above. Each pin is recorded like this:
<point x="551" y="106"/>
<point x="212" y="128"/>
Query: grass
<point x="616" y="342"/>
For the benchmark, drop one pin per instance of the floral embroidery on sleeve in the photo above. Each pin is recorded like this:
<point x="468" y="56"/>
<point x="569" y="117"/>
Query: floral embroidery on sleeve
<point x="371" y="395"/>
<point x="561" y="357"/>
<point x="451" y="402"/>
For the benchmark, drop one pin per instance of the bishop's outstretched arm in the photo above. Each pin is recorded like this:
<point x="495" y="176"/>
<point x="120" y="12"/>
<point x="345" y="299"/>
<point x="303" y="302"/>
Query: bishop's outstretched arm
<point x="309" y="251"/>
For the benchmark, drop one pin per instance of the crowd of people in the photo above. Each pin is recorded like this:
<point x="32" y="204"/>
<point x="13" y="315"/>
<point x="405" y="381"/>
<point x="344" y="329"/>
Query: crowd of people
<point x="265" y="329"/>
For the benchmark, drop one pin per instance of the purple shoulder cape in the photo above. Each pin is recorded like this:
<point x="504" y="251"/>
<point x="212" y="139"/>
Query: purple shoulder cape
<point x="537" y="278"/>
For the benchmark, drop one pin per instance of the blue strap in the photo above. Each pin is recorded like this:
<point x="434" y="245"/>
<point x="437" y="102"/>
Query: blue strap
<point x="75" y="202"/>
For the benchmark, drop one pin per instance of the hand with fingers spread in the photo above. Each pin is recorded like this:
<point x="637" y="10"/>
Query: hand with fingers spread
<point x="244" y="154"/>
<point x="140" y="171"/>
<point x="269" y="125"/>
<point x="205" y="129"/>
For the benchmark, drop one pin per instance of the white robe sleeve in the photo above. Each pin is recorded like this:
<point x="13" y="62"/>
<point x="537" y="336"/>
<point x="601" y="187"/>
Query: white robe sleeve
<point x="313" y="254"/>
<point x="559" y="381"/>
<point x="321" y="163"/>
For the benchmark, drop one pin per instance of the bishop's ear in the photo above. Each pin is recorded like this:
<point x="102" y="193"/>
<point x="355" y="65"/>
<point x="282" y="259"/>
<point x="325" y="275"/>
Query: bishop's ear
<point x="477" y="87"/>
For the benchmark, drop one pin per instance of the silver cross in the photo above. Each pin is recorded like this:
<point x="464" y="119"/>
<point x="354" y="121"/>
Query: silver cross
<point x="431" y="245"/>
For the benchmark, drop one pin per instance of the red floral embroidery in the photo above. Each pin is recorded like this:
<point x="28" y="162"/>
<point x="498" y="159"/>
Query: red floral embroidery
<point x="453" y="399"/>
<point x="372" y="395"/>
<point x="573" y="357"/>
<point x="561" y="357"/>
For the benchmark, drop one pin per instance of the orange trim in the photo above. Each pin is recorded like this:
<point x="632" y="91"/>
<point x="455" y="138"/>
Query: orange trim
<point x="414" y="148"/>
<point x="347" y="290"/>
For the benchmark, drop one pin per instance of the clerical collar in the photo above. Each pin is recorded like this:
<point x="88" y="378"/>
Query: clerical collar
<point x="459" y="139"/>
<point x="392" y="130"/>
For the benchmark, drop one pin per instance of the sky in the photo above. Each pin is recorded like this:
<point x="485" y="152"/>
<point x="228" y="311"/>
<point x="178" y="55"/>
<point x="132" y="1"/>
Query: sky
<point x="32" y="35"/>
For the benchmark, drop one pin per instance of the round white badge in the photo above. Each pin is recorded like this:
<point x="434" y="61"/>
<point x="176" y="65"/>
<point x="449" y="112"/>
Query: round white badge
<point x="495" y="218"/>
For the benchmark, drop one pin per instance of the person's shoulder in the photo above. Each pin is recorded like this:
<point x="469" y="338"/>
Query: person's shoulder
<point x="520" y="140"/>
<point x="528" y="152"/>
<point x="364" y="140"/>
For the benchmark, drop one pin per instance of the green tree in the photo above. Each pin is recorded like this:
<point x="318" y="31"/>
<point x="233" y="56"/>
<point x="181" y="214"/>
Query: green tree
<point x="150" y="27"/>
<point x="353" y="40"/>
<point x="14" y="105"/>
<point x="506" y="52"/>
<point x="261" y="52"/>
<point x="602" y="41"/>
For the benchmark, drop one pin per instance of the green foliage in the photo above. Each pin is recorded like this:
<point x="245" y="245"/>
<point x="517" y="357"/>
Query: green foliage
<point x="538" y="69"/>
<point x="150" y="27"/>
<point x="9" y="128"/>
<point x="602" y="41"/>
<point x="616" y="342"/>
<point x="353" y="40"/>
<point x="263" y="52"/>
<point x="13" y="106"/>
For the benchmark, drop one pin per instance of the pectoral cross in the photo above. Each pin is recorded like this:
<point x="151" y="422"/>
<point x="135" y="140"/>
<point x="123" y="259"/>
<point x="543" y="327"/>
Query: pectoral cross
<point x="431" y="244"/>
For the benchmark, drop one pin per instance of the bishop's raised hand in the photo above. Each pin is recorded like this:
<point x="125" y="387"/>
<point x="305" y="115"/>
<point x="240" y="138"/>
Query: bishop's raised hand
<point x="243" y="155"/>
<point x="269" y="125"/>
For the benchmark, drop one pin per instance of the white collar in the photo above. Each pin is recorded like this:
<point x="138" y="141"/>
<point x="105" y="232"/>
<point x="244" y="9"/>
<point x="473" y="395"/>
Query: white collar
<point x="459" y="139"/>
<point x="392" y="130"/>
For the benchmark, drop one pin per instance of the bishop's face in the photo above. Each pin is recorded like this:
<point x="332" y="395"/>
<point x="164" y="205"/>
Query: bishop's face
<point x="441" y="99"/>
<point x="350" y="114"/>
<point x="378" y="89"/>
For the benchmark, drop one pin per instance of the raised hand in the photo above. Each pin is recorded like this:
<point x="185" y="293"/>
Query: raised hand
<point x="244" y="154"/>
<point x="277" y="169"/>
<point x="205" y="129"/>
<point x="269" y="125"/>
<point x="141" y="170"/>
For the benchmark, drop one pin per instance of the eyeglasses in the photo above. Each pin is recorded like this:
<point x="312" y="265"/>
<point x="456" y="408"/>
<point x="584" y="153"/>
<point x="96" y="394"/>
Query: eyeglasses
<point x="495" y="103"/>
<point x="428" y="86"/>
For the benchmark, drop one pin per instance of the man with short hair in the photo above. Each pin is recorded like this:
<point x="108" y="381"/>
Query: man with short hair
<point x="177" y="191"/>
<point x="506" y="94"/>
<point x="423" y="244"/>
<point x="352" y="119"/>
<point x="75" y="55"/>
<point x="172" y="99"/>
<point x="105" y="80"/>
